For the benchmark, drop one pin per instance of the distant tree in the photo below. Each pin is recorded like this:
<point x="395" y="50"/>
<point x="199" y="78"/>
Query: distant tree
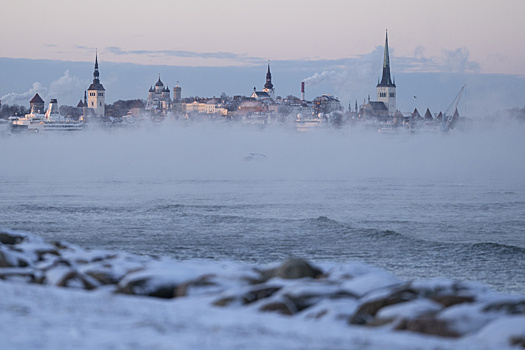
<point x="13" y="110"/>
<point x="70" y="112"/>
<point x="293" y="99"/>
<point x="120" y="108"/>
<point x="224" y="97"/>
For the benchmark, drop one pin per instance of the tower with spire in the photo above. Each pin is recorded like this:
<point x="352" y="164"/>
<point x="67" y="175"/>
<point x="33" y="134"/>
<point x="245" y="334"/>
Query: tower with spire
<point x="386" y="89"/>
<point x="96" y="93"/>
<point x="268" y="87"/>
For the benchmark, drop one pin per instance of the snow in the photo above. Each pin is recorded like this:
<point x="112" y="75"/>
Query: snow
<point x="40" y="317"/>
<point x="411" y="309"/>
<point x="46" y="316"/>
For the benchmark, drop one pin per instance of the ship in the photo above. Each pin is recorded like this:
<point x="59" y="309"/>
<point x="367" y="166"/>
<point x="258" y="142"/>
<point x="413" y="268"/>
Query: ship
<point x="51" y="121"/>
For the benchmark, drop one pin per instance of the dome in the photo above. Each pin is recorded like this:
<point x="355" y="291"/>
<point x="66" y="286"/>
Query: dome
<point x="159" y="83"/>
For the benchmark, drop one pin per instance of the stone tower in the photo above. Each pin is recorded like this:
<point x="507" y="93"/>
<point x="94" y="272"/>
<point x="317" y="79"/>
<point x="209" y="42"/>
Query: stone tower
<point x="97" y="94"/>
<point x="386" y="89"/>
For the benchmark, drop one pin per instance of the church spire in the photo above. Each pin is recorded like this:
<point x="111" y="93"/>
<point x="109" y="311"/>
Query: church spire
<point x="268" y="84"/>
<point x="385" y="79"/>
<point x="96" y="74"/>
<point x="96" y="81"/>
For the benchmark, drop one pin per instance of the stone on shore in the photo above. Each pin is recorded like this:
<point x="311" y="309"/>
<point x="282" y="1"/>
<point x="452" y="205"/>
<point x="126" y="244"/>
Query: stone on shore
<point x="355" y="294"/>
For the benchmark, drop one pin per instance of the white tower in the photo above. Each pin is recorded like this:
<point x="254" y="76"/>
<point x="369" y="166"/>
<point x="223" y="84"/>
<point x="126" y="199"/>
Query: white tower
<point x="97" y="94"/>
<point x="386" y="89"/>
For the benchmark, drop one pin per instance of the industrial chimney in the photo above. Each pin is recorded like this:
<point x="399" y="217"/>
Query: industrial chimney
<point x="302" y="91"/>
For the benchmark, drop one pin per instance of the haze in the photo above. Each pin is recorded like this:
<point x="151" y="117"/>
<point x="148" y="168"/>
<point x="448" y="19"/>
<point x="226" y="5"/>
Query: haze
<point x="235" y="32"/>
<point x="222" y="152"/>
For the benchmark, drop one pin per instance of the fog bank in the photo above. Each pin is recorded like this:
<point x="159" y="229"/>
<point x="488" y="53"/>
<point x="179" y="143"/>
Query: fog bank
<point x="222" y="152"/>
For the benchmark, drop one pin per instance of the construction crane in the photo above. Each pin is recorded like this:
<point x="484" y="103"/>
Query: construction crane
<point x="451" y="114"/>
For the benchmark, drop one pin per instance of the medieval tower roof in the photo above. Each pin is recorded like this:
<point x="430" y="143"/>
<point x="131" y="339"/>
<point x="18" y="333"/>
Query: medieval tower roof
<point x="386" y="79"/>
<point x="36" y="99"/>
<point x="96" y="85"/>
<point x="268" y="84"/>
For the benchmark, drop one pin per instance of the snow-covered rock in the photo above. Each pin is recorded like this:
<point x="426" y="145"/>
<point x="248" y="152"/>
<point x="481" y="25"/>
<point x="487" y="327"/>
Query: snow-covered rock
<point x="367" y="302"/>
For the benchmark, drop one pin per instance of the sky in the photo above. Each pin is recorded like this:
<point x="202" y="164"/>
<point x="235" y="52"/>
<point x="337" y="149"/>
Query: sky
<point x="336" y="39"/>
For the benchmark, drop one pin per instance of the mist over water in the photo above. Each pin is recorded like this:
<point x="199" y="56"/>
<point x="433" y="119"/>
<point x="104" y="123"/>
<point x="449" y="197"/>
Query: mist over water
<point x="218" y="152"/>
<point x="420" y="205"/>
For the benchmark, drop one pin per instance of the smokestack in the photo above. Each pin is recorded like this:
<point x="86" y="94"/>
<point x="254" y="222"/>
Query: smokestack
<point x="52" y="110"/>
<point x="302" y="91"/>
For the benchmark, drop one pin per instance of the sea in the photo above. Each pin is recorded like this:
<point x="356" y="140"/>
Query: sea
<point x="419" y="205"/>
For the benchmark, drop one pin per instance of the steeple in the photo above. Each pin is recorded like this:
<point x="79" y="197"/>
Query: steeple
<point x="386" y="80"/>
<point x="96" y="73"/>
<point x="96" y="94"/>
<point x="96" y="81"/>
<point x="268" y="84"/>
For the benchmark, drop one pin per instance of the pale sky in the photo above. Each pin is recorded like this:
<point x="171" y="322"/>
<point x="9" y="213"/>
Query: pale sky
<point x="484" y="36"/>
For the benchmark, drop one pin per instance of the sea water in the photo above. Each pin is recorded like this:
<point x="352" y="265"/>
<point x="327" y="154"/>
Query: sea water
<point x="420" y="206"/>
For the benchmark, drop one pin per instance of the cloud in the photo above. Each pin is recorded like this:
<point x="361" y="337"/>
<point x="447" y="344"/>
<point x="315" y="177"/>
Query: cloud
<point x="64" y="88"/>
<point x="23" y="98"/>
<point x="348" y="78"/>
<point x="186" y="54"/>
<point x="450" y="61"/>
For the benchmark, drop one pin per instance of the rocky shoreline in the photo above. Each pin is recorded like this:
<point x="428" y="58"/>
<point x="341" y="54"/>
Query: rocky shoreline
<point x="354" y="294"/>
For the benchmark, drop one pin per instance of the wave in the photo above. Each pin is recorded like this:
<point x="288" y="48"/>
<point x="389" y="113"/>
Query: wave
<point x="71" y="209"/>
<point x="498" y="248"/>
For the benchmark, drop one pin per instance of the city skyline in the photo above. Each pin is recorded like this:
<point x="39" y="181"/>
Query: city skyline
<point x="454" y="44"/>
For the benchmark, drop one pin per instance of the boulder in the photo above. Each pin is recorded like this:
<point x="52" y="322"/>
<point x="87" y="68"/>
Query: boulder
<point x="104" y="277"/>
<point x="202" y="282"/>
<point x="450" y="300"/>
<point x="248" y="297"/>
<point x="518" y="341"/>
<point x="292" y="268"/>
<point x="514" y="307"/>
<point x="428" y="325"/>
<point x="283" y="307"/>
<point x="62" y="275"/>
<point x="334" y="309"/>
<point x="259" y="293"/>
<point x="9" y="258"/>
<point x="366" y="312"/>
<point x="413" y="309"/>
<point x="147" y="285"/>
<point x="305" y="294"/>
<point x="24" y="274"/>
<point x="11" y="238"/>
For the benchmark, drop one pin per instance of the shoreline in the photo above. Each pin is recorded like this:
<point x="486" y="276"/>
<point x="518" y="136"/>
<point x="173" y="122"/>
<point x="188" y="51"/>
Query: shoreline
<point x="353" y="297"/>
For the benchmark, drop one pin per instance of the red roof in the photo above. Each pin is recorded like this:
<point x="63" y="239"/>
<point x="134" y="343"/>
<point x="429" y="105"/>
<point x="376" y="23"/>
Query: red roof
<point x="36" y="99"/>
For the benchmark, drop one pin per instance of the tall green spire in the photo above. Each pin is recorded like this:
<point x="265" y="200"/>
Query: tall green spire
<point x="386" y="80"/>
<point x="386" y="59"/>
